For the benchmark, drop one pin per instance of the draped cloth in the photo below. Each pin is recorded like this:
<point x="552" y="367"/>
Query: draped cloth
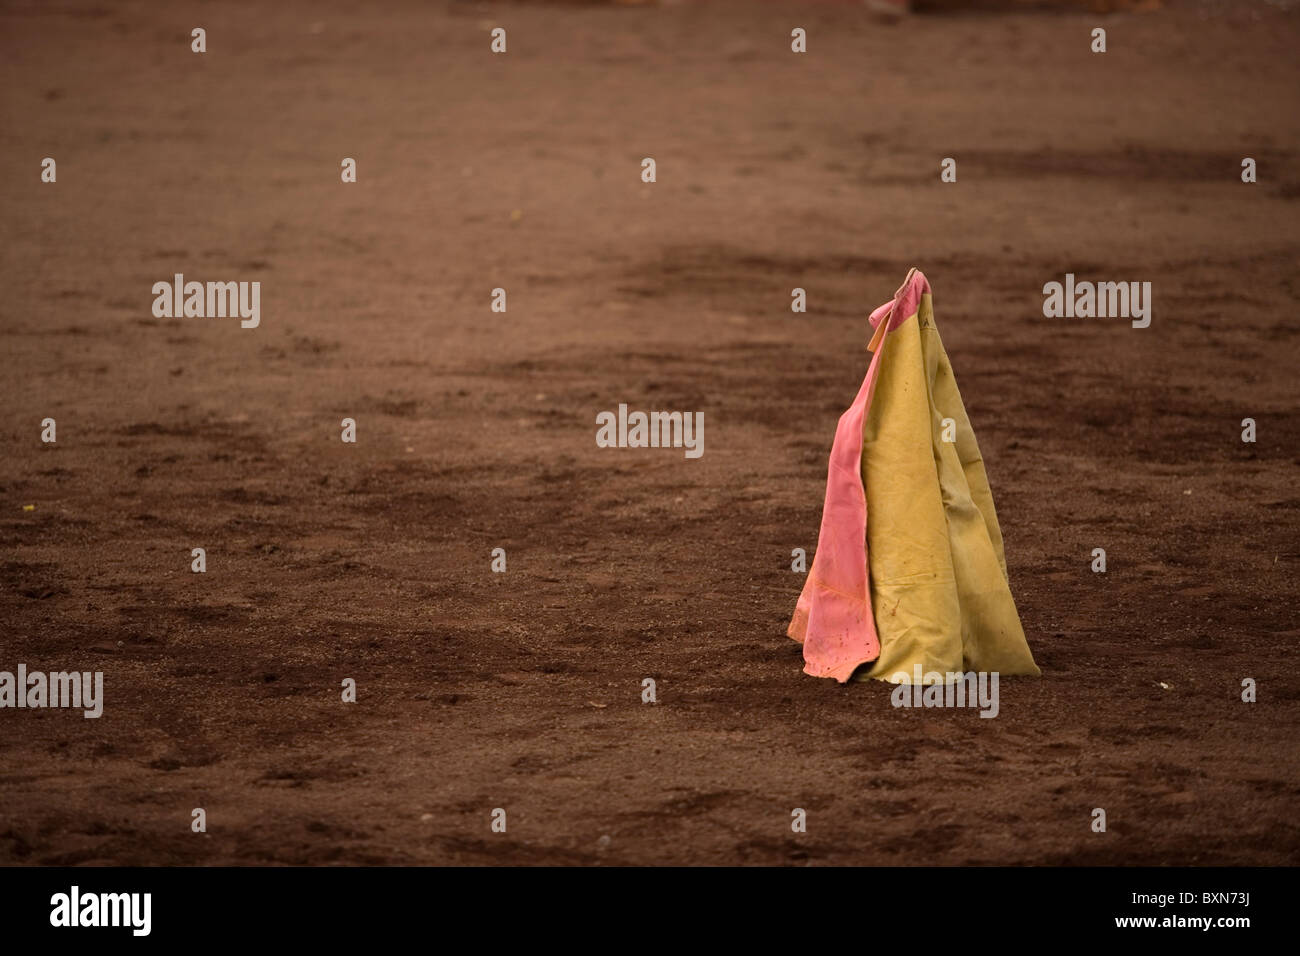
<point x="909" y="571"/>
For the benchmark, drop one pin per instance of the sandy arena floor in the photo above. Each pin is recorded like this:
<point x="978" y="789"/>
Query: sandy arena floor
<point x="522" y="690"/>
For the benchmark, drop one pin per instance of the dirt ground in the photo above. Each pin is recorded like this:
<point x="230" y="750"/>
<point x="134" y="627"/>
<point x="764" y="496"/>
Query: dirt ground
<point x="522" y="690"/>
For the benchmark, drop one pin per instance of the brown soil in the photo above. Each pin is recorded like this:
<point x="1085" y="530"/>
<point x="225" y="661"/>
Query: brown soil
<point x="476" y="429"/>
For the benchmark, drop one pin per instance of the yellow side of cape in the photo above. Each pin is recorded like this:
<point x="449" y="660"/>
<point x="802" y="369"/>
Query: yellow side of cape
<point x="938" y="574"/>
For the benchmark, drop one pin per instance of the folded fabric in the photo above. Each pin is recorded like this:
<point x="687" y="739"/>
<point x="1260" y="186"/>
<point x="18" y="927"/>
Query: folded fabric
<point x="909" y="571"/>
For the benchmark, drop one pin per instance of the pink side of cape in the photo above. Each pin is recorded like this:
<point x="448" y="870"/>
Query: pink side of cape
<point x="833" y="618"/>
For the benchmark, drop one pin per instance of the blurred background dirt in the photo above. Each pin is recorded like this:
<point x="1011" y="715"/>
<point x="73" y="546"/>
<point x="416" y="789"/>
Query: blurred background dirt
<point x="476" y="429"/>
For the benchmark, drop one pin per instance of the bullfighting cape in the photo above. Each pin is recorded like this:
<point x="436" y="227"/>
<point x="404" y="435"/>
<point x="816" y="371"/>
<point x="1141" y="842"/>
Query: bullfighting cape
<point x="909" y="571"/>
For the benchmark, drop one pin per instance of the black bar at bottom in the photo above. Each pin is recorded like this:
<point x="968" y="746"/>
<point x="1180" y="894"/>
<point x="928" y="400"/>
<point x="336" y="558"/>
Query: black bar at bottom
<point x="329" y="906"/>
